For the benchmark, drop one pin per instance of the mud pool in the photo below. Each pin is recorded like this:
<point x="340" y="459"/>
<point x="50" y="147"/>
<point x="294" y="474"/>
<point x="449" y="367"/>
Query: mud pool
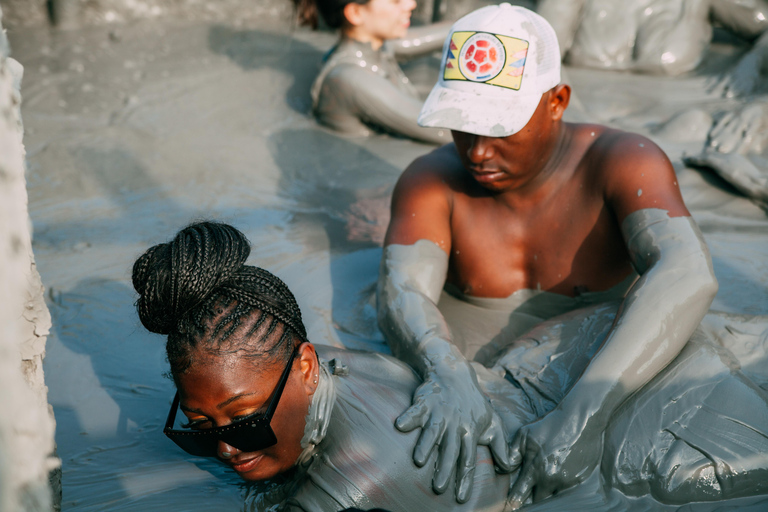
<point x="136" y="130"/>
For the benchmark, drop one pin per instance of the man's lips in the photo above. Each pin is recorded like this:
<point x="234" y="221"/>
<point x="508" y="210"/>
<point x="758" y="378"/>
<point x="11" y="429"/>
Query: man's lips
<point x="246" y="464"/>
<point x="486" y="176"/>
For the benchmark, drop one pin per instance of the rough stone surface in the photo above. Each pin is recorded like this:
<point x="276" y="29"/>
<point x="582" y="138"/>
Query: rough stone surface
<point x="26" y="425"/>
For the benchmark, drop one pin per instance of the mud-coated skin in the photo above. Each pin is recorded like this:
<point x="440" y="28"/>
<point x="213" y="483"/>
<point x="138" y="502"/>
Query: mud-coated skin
<point x="655" y="36"/>
<point x="748" y="76"/>
<point x="747" y="173"/>
<point x="658" y="315"/>
<point x="361" y="460"/>
<point x="410" y="283"/>
<point x="698" y="431"/>
<point x="660" y="442"/>
<point x="360" y="90"/>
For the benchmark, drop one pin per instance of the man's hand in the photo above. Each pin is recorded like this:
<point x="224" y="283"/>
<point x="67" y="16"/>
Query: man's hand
<point x="553" y="453"/>
<point x="454" y="415"/>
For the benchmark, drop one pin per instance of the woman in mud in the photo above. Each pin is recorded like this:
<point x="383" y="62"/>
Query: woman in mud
<point x="361" y="86"/>
<point x="262" y="399"/>
<point x="319" y="422"/>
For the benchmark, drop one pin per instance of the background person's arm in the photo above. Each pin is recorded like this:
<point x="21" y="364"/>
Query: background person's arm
<point x="378" y="102"/>
<point x="749" y="74"/>
<point x="658" y="315"/>
<point x="420" y="40"/>
<point x="455" y="416"/>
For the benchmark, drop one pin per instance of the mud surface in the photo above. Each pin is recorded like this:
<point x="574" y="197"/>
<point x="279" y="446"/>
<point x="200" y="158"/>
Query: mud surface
<point x="133" y="131"/>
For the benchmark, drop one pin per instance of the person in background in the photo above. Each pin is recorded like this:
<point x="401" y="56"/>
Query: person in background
<point x="667" y="37"/>
<point x="361" y="88"/>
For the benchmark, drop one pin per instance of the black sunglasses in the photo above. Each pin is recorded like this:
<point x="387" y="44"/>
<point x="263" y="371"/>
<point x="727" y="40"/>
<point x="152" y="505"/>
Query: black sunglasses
<point x="249" y="434"/>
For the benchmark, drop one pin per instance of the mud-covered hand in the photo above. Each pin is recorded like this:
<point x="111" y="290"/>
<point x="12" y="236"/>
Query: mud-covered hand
<point x="455" y="416"/>
<point x="553" y="453"/>
<point x="739" y="170"/>
<point x="743" y="80"/>
<point x="738" y="131"/>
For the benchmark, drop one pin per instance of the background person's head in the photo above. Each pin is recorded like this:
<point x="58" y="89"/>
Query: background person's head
<point x="368" y="21"/>
<point x="231" y="329"/>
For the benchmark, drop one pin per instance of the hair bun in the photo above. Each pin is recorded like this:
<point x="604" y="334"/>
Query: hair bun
<point x="174" y="277"/>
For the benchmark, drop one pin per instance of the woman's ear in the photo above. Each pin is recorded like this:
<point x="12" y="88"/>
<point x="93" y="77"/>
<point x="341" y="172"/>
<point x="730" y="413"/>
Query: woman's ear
<point x="353" y="13"/>
<point x="309" y="367"/>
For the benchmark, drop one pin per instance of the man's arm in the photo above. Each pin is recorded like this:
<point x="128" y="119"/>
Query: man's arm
<point x="658" y="315"/>
<point x="449" y="407"/>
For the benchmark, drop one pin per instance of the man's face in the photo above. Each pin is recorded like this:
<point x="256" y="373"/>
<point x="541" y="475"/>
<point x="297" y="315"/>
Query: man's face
<point x="505" y="163"/>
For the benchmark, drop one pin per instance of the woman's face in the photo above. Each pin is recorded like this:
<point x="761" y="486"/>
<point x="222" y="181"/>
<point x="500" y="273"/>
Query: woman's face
<point x="217" y="390"/>
<point x="379" y="20"/>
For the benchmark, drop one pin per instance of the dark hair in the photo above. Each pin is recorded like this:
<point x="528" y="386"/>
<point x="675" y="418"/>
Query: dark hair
<point x="197" y="290"/>
<point x="332" y="11"/>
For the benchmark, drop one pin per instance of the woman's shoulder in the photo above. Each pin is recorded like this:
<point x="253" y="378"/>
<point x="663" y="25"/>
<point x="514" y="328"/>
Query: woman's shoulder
<point x="350" y="52"/>
<point x="364" y="461"/>
<point x="359" y="368"/>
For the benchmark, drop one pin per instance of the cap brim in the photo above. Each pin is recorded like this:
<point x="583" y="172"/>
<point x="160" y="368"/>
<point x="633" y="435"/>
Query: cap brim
<point x="481" y="114"/>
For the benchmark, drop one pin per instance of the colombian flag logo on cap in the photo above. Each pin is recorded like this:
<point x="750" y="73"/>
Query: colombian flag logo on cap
<point x="486" y="58"/>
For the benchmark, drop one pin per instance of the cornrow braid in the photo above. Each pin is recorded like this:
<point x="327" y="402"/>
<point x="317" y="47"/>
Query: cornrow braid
<point x="197" y="290"/>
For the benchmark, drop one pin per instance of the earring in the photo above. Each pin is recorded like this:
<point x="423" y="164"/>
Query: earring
<point x="226" y="455"/>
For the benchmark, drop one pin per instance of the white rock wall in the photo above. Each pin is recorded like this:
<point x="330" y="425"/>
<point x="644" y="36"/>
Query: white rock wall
<point x="26" y="420"/>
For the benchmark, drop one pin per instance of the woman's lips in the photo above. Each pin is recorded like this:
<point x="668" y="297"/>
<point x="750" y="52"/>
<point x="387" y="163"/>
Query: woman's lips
<point x="246" y="465"/>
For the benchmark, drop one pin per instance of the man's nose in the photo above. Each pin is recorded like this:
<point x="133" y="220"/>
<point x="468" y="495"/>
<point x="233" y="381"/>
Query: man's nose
<point x="480" y="149"/>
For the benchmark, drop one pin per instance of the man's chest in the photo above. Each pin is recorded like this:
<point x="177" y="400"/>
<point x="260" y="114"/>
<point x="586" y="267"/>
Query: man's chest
<point x="575" y="247"/>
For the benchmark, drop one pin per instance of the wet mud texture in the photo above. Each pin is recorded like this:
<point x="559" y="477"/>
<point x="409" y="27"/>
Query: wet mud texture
<point x="134" y="131"/>
<point x="74" y="14"/>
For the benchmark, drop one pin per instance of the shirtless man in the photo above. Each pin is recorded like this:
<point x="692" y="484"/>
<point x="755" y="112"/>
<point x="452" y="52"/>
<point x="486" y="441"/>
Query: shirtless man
<point x="524" y="203"/>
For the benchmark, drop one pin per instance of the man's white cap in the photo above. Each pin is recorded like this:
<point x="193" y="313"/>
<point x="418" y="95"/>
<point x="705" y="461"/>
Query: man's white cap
<point x="497" y="62"/>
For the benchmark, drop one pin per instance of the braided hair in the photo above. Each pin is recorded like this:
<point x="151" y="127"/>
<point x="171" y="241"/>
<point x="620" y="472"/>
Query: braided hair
<point x="197" y="290"/>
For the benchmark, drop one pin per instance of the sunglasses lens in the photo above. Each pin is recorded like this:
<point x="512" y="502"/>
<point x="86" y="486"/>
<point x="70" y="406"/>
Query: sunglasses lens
<point x="199" y="445"/>
<point x="249" y="437"/>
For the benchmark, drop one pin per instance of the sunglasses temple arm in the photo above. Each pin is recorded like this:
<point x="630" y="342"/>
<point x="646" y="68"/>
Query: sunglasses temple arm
<point x="281" y="385"/>
<point x="172" y="413"/>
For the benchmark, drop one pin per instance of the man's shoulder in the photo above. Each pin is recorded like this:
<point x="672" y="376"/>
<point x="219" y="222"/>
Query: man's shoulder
<point x="610" y="151"/>
<point x="441" y="168"/>
<point x="630" y="172"/>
